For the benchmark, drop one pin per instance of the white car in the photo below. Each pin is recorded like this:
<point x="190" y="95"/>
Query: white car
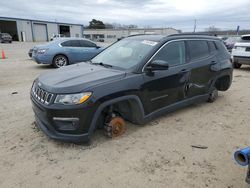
<point x="56" y="36"/>
<point x="241" y="52"/>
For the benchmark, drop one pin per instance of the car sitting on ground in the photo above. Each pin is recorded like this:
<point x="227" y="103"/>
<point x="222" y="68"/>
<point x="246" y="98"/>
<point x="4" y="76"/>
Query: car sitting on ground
<point x="56" y="36"/>
<point x="241" y="52"/>
<point x="5" y="38"/>
<point x="135" y="79"/>
<point x="65" y="51"/>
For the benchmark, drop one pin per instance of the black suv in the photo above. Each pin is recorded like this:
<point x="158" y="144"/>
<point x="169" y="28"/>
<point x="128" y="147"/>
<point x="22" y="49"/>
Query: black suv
<point x="135" y="79"/>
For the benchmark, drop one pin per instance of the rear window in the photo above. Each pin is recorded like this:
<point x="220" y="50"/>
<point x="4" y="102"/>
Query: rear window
<point x="85" y="43"/>
<point x="71" y="43"/>
<point x="198" y="49"/>
<point x="245" y="38"/>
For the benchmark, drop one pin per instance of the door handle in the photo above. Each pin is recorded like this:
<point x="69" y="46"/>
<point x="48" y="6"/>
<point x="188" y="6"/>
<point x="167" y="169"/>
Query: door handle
<point x="213" y="62"/>
<point x="184" y="71"/>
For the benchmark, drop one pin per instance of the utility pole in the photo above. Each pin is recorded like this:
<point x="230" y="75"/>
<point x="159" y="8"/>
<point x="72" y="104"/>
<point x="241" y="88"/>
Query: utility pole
<point x="194" y="25"/>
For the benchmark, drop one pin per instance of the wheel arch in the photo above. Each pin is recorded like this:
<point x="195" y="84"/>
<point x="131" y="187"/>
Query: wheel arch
<point x="223" y="82"/>
<point x="134" y="103"/>
<point x="63" y="54"/>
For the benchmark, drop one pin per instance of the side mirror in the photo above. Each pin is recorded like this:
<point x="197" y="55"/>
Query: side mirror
<point x="97" y="47"/>
<point x="157" y="65"/>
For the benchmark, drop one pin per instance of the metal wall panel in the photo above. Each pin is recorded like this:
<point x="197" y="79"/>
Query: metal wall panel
<point x="40" y="32"/>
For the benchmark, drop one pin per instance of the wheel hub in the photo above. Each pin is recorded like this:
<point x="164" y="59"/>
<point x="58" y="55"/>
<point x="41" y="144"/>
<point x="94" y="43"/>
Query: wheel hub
<point x="115" y="127"/>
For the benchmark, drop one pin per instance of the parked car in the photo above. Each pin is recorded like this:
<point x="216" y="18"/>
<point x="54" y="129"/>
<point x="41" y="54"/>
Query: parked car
<point x="65" y="51"/>
<point x="56" y="36"/>
<point x="241" y="52"/>
<point x="135" y="79"/>
<point x="5" y="37"/>
<point x="100" y="40"/>
<point x="230" y="41"/>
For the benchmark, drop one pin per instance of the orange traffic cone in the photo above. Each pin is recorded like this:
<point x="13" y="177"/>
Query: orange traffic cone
<point x="3" y="54"/>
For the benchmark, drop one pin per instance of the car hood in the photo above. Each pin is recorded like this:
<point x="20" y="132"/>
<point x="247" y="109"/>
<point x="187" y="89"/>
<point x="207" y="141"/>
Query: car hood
<point x="77" y="78"/>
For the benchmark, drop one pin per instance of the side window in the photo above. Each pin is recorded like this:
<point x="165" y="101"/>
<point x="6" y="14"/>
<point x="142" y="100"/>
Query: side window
<point x="212" y="46"/>
<point x="198" y="49"/>
<point x="71" y="43"/>
<point x="85" y="43"/>
<point x="173" y="53"/>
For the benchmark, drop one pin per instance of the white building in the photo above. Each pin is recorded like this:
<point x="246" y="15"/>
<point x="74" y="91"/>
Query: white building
<point x="111" y="35"/>
<point x="38" y="30"/>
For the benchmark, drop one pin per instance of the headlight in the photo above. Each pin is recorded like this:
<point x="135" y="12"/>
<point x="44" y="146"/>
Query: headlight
<point x="70" y="99"/>
<point x="41" y="51"/>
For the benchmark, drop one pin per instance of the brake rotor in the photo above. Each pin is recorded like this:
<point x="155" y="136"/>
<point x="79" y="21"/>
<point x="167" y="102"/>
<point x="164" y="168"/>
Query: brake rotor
<point x="115" y="127"/>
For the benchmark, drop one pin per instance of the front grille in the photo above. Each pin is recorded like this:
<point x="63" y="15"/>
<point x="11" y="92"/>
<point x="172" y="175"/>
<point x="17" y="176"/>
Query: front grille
<point x="42" y="95"/>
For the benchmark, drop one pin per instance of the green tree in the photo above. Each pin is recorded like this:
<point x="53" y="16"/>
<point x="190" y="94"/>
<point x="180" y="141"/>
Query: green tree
<point x="96" y="24"/>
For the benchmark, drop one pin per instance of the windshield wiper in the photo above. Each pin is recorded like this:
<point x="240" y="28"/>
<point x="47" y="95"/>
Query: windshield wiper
<point x="103" y="64"/>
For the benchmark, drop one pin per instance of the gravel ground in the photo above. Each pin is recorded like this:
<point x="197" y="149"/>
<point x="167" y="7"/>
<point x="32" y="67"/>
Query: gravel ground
<point x="158" y="154"/>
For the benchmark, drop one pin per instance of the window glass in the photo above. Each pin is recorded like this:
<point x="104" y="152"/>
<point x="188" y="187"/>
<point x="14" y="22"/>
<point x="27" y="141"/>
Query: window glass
<point x="125" y="53"/>
<point x="85" y="43"/>
<point x="71" y="43"/>
<point x="198" y="49"/>
<point x="212" y="46"/>
<point x="173" y="53"/>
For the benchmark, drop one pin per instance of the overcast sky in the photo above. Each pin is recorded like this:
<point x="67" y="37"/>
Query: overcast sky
<point x="180" y="14"/>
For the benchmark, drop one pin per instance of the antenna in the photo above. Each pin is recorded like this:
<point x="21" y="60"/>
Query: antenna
<point x="194" y="25"/>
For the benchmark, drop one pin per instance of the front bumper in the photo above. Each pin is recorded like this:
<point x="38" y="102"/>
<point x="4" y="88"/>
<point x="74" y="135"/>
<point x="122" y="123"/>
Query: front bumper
<point x="6" y="40"/>
<point x="64" y="123"/>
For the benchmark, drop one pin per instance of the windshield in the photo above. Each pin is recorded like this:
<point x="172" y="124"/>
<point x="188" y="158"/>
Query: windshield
<point x="125" y="53"/>
<point x="6" y="34"/>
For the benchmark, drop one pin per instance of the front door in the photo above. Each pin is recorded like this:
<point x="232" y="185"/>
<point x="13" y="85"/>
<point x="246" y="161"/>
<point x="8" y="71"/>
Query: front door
<point x="164" y="87"/>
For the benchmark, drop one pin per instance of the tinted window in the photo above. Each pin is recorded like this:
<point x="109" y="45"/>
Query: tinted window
<point x="212" y="46"/>
<point x="85" y="43"/>
<point x="198" y="49"/>
<point x="173" y="53"/>
<point x="71" y="43"/>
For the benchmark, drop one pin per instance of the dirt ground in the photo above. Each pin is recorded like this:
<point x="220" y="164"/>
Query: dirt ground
<point x="158" y="154"/>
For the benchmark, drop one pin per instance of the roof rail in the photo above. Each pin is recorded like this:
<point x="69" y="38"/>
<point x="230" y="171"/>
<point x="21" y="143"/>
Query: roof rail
<point x="203" y="34"/>
<point x="139" y="34"/>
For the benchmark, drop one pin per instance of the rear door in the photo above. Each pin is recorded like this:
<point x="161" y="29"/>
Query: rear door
<point x="88" y="49"/>
<point x="72" y="49"/>
<point x="165" y="87"/>
<point x="202" y="62"/>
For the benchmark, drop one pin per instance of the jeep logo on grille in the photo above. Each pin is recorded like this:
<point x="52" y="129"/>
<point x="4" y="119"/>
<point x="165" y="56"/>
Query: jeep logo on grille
<point x="39" y="84"/>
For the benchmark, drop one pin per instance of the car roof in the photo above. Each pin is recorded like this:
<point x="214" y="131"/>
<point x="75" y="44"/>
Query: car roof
<point x="152" y="37"/>
<point x="63" y="39"/>
<point x="162" y="38"/>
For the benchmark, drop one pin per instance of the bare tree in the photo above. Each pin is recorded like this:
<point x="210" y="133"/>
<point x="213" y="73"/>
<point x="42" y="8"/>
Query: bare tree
<point x="212" y="30"/>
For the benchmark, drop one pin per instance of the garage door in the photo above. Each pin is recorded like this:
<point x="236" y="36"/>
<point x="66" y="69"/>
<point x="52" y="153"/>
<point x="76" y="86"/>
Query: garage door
<point x="40" y="32"/>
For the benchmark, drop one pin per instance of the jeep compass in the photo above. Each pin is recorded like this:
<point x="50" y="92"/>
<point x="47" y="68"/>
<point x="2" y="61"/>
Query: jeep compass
<point x="135" y="79"/>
